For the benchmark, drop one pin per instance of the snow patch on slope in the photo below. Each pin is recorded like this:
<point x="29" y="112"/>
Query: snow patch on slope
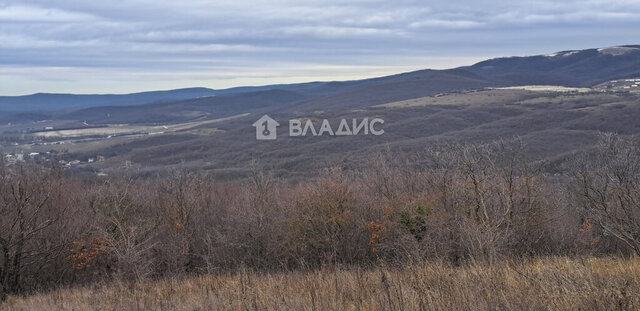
<point x="562" y="54"/>
<point x="617" y="50"/>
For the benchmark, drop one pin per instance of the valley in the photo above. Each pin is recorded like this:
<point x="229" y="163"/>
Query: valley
<point x="557" y="104"/>
<point x="553" y="121"/>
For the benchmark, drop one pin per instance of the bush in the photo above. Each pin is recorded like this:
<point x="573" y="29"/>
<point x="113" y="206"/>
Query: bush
<point x="454" y="203"/>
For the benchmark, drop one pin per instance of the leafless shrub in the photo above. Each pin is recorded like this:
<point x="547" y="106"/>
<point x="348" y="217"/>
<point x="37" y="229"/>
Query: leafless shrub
<point x="324" y="226"/>
<point x="126" y="223"/>
<point x="606" y="185"/>
<point x="180" y="200"/>
<point x="495" y="195"/>
<point x="453" y="203"/>
<point x="29" y="207"/>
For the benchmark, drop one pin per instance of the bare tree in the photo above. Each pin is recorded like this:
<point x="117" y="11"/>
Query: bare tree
<point x="493" y="194"/>
<point x="26" y="210"/>
<point x="606" y="184"/>
<point x="125" y="221"/>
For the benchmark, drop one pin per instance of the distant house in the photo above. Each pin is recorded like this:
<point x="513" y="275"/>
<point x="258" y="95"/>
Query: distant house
<point x="91" y="160"/>
<point x="13" y="158"/>
<point x="48" y="128"/>
<point x="10" y="159"/>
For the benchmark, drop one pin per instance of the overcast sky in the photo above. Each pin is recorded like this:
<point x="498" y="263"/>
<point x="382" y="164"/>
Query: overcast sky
<point x="121" y="46"/>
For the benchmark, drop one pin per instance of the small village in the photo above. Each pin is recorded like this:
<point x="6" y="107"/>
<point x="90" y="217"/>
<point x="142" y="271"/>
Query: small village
<point x="621" y="85"/>
<point x="14" y="158"/>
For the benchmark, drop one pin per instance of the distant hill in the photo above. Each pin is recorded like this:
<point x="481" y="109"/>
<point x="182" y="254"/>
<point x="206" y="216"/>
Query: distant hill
<point x="299" y="97"/>
<point x="48" y="102"/>
<point x="186" y="110"/>
<point x="52" y="102"/>
<point x="568" y="68"/>
<point x="553" y="125"/>
<point x="476" y="103"/>
<point x="401" y="87"/>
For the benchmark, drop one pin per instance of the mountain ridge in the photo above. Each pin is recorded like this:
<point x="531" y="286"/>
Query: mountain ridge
<point x="574" y="68"/>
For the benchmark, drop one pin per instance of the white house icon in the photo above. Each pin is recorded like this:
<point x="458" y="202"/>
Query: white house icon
<point x="266" y="128"/>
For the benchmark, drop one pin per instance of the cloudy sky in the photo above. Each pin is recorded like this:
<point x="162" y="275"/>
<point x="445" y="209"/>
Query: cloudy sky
<point x="121" y="46"/>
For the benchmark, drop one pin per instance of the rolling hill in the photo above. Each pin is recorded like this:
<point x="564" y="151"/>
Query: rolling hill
<point x="569" y="68"/>
<point x="52" y="102"/>
<point x="488" y="101"/>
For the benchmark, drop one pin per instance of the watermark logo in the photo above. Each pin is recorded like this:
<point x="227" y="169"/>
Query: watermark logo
<point x="266" y="127"/>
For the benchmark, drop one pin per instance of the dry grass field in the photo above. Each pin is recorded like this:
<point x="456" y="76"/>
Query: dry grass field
<point x="555" y="283"/>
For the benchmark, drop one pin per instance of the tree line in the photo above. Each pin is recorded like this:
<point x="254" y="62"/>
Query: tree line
<point x="453" y="202"/>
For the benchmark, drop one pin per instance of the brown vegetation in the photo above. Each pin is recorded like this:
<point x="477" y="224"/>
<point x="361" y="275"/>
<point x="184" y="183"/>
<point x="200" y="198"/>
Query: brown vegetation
<point x="476" y="207"/>
<point x="542" y="284"/>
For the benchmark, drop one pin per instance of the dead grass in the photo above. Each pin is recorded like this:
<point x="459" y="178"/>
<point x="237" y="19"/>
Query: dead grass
<point x="541" y="284"/>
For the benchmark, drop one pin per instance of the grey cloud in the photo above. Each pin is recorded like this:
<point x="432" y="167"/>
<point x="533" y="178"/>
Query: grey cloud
<point x="227" y="38"/>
